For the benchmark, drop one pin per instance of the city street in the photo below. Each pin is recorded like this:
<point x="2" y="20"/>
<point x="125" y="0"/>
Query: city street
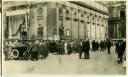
<point x="32" y="26"/>
<point x="99" y="63"/>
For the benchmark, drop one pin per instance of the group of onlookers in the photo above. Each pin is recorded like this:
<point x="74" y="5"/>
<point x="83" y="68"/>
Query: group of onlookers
<point x="101" y="45"/>
<point x="40" y="49"/>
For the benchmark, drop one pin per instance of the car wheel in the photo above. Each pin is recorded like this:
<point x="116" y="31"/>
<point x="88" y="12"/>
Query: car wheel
<point x="15" y="54"/>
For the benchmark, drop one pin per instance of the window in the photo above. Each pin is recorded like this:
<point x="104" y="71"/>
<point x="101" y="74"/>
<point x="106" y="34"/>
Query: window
<point x="97" y="18"/>
<point x="75" y="13"/>
<point x="122" y="14"/>
<point x="93" y="18"/>
<point x="82" y="15"/>
<point x="67" y="32"/>
<point x="88" y="17"/>
<point x="40" y="31"/>
<point x="40" y="11"/>
<point x="75" y="16"/>
<point x="102" y="25"/>
<point x="67" y="13"/>
<point x="88" y="22"/>
<point x="60" y="11"/>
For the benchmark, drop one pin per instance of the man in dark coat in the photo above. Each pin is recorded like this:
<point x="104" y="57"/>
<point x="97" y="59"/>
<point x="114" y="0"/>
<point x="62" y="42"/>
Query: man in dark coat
<point x="35" y="50"/>
<point x="120" y="49"/>
<point x="97" y="45"/>
<point x="86" y="48"/>
<point x="27" y="53"/>
<point x="72" y="45"/>
<point x="45" y="53"/>
<point x="62" y="47"/>
<point x="108" y="45"/>
<point x="101" y="46"/>
<point x="123" y="46"/>
<point x="93" y="45"/>
<point x="69" y="48"/>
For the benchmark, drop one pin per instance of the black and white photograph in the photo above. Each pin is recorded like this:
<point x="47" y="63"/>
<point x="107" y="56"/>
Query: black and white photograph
<point x="64" y="37"/>
<point x="0" y="38"/>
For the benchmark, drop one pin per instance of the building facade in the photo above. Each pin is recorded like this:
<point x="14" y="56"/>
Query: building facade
<point x="117" y="20"/>
<point x="56" y="20"/>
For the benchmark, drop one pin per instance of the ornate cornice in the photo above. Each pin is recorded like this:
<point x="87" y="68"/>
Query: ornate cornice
<point x="88" y="7"/>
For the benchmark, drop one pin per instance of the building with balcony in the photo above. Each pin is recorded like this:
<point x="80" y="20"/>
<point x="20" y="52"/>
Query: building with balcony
<point x="56" y="20"/>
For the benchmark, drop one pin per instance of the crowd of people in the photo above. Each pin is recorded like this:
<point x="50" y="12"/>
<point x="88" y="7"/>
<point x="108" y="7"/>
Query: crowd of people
<point x="40" y="49"/>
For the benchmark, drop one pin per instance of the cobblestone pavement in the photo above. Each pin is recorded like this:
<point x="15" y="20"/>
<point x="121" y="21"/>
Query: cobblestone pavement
<point x="99" y="63"/>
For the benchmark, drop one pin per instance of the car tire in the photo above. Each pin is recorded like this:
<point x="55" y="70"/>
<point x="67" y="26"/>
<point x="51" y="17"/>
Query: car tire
<point x="15" y="54"/>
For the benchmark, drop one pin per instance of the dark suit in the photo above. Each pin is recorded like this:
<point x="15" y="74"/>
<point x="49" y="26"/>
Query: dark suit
<point x="108" y="46"/>
<point x="120" y="49"/>
<point x="85" y="48"/>
<point x="81" y="49"/>
<point x="34" y="51"/>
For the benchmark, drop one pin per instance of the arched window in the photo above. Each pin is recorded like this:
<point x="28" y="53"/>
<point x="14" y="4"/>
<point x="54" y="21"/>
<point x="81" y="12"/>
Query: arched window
<point x="60" y="11"/>
<point x="75" y="13"/>
<point x="40" y="11"/>
<point x="88" y="16"/>
<point x="82" y="15"/>
<point x="67" y="12"/>
<point x="93" y="18"/>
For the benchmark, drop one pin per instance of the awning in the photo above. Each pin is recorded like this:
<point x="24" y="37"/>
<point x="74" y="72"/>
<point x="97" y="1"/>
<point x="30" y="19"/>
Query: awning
<point x="17" y="12"/>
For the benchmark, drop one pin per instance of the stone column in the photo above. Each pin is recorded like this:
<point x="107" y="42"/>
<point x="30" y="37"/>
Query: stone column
<point x="90" y="24"/>
<point x="78" y="22"/>
<point x="10" y="29"/>
<point x="117" y="30"/>
<point x="57" y="21"/>
<point x="27" y="18"/>
<point x="26" y="23"/>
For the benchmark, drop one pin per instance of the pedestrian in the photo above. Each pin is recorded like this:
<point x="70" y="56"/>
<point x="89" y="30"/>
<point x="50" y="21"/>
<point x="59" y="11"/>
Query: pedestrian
<point x="41" y="50"/>
<point x="102" y="46"/>
<point x="93" y="46"/>
<point x="97" y="46"/>
<point x="62" y="51"/>
<point x="75" y="46"/>
<point x="27" y="53"/>
<point x="6" y="50"/>
<point x="45" y="52"/>
<point x="78" y="46"/>
<point x="108" y="45"/>
<point x="81" y="49"/>
<point x="120" y="49"/>
<point x="66" y="47"/>
<point x="86" y="48"/>
<point x="35" y="50"/>
<point x="69" y="48"/>
<point x="72" y="45"/>
<point x="87" y="45"/>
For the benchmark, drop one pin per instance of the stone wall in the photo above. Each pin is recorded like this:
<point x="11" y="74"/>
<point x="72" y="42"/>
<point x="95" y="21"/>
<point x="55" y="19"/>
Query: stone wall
<point x="82" y="21"/>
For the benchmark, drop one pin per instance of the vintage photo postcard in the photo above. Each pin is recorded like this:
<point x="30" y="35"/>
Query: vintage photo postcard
<point x="0" y="38"/>
<point x="64" y="37"/>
